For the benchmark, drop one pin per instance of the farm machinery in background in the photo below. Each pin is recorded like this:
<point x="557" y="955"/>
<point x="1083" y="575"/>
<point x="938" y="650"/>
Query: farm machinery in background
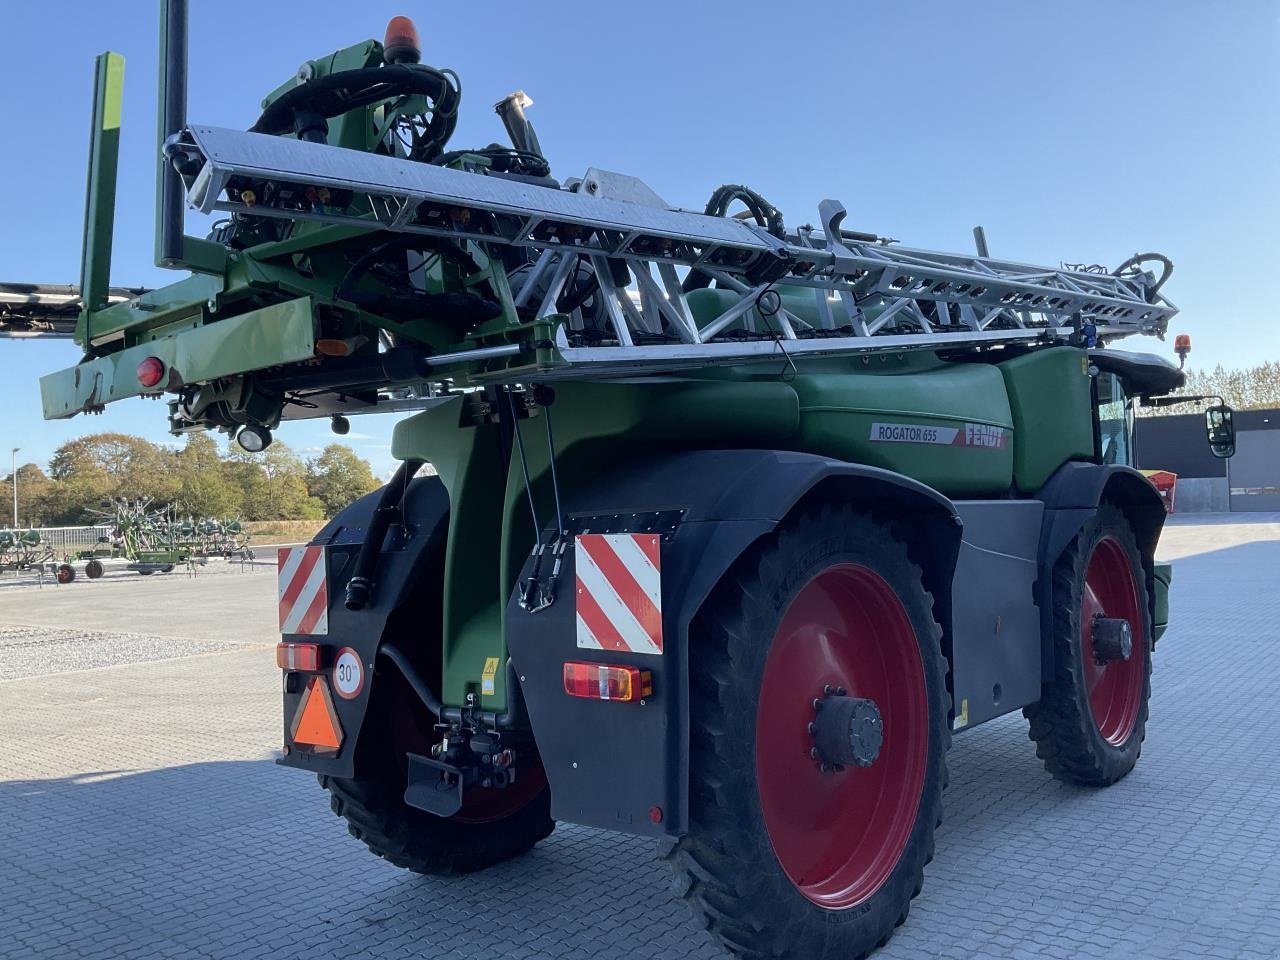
<point x="732" y="527"/>
<point x="147" y="539"/>
<point x="22" y="550"/>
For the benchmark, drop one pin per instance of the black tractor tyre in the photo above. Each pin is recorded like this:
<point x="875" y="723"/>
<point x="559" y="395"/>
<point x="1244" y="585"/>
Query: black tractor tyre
<point x="1080" y="742"/>
<point x="728" y="867"/>
<point x="65" y="573"/>
<point x="398" y="724"/>
<point x="94" y="569"/>
<point x="377" y="815"/>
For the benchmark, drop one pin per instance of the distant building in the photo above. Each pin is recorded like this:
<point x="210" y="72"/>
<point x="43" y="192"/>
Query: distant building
<point x="1249" y="481"/>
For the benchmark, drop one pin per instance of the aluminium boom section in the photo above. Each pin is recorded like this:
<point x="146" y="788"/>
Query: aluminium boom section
<point x="866" y="296"/>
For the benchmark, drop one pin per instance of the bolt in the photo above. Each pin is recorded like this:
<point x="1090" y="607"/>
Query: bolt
<point x="826" y="768"/>
<point x="813" y="753"/>
<point x="813" y="728"/>
<point x="840" y="691"/>
<point x="817" y="704"/>
<point x="828" y="690"/>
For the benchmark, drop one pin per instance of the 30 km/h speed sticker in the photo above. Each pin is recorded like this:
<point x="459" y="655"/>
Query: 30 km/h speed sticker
<point x="348" y="674"/>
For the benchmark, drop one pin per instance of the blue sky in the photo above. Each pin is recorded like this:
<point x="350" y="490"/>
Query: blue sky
<point x="1078" y="132"/>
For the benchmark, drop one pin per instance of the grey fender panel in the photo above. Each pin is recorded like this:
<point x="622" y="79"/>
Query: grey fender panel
<point x="611" y="764"/>
<point x="996" y="647"/>
<point x="404" y="554"/>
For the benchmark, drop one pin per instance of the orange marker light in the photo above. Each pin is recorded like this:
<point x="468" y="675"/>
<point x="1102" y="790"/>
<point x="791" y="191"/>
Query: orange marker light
<point x="400" y="44"/>
<point x="298" y="656"/>
<point x="598" y="681"/>
<point x="1182" y="346"/>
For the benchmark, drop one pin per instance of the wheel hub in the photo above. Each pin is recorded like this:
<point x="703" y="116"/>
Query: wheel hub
<point x="846" y="730"/>
<point x="1112" y="639"/>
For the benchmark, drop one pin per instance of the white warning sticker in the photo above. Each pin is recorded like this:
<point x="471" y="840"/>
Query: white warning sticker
<point x="348" y="674"/>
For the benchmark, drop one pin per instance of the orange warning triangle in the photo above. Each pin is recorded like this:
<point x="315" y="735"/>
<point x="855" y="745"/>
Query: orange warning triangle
<point x="316" y="723"/>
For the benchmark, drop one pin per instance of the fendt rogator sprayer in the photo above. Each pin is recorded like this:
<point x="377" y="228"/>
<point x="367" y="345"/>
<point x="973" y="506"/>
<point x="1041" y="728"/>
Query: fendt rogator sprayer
<point x="731" y="527"/>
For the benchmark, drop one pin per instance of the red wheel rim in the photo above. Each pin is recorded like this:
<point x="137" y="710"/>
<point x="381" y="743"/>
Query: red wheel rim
<point x="1115" y="688"/>
<point x="838" y="836"/>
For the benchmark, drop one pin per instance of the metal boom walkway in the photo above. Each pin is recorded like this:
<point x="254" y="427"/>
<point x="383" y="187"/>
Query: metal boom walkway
<point x="809" y="292"/>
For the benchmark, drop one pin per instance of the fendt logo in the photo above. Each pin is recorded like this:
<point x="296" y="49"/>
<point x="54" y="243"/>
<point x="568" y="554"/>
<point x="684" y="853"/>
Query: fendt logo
<point x="983" y="435"/>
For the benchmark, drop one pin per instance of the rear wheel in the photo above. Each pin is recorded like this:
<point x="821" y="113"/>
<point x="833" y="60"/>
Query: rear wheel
<point x="93" y="569"/>
<point x="66" y="573"/>
<point x="1091" y="720"/>
<point x="819" y="732"/>
<point x="493" y="825"/>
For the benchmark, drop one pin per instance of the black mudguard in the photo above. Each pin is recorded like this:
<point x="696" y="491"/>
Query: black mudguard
<point x="624" y="766"/>
<point x="1070" y="498"/>
<point x="405" y="555"/>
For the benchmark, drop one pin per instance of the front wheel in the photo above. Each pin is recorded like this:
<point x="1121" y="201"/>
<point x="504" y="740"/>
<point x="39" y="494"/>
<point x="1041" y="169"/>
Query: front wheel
<point x="819" y="732"/>
<point x="1092" y="717"/>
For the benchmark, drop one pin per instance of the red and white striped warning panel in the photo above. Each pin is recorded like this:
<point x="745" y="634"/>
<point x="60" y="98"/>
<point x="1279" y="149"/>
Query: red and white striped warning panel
<point x="619" y="592"/>
<point x="304" y="591"/>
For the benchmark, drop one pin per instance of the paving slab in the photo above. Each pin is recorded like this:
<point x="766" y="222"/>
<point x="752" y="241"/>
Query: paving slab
<point x="141" y="814"/>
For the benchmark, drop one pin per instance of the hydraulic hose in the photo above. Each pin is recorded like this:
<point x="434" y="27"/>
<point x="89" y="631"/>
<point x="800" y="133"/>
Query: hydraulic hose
<point x="390" y="506"/>
<point x="413" y="678"/>
<point x="1139" y="258"/>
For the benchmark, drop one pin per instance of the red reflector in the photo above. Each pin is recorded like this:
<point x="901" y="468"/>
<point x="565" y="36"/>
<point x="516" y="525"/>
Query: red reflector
<point x="298" y="656"/>
<point x="150" y="371"/>
<point x="598" y="681"/>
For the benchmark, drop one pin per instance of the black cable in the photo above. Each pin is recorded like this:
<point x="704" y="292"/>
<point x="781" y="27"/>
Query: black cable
<point x="764" y="213"/>
<point x="1139" y="258"/>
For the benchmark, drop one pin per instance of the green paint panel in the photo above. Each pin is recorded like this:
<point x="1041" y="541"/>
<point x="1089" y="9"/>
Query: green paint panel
<point x="1163" y="581"/>
<point x="893" y="420"/>
<point x="100" y="195"/>
<point x="283" y="333"/>
<point x="1052" y="412"/>
<point x="490" y="533"/>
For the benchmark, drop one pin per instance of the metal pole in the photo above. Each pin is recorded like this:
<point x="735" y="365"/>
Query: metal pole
<point x="13" y="475"/>
<point x="173" y="117"/>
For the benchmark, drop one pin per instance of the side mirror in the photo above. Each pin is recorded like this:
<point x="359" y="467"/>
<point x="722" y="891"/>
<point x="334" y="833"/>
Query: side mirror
<point x="1221" y="431"/>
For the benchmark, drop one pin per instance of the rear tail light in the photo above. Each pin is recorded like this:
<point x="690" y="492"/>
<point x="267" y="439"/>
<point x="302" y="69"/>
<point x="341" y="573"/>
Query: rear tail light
<point x="597" y="681"/>
<point x="298" y="656"/>
<point x="150" y="371"/>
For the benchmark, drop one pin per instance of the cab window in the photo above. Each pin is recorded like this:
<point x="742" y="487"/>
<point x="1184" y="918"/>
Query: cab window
<point x="1115" y="427"/>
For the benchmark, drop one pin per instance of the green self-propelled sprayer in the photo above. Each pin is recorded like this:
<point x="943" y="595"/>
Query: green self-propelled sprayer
<point x="731" y="525"/>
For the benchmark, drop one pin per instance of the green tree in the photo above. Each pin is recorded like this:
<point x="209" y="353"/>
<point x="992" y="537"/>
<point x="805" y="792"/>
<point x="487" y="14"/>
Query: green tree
<point x="205" y="488"/>
<point x="1253" y="388"/>
<point x="274" y="484"/>
<point x="338" y="476"/>
<point x="33" y="492"/>
<point x="104" y="465"/>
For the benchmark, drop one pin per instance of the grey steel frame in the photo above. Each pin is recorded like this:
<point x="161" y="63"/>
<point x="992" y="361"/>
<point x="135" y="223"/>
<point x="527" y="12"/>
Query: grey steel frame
<point x="859" y="288"/>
